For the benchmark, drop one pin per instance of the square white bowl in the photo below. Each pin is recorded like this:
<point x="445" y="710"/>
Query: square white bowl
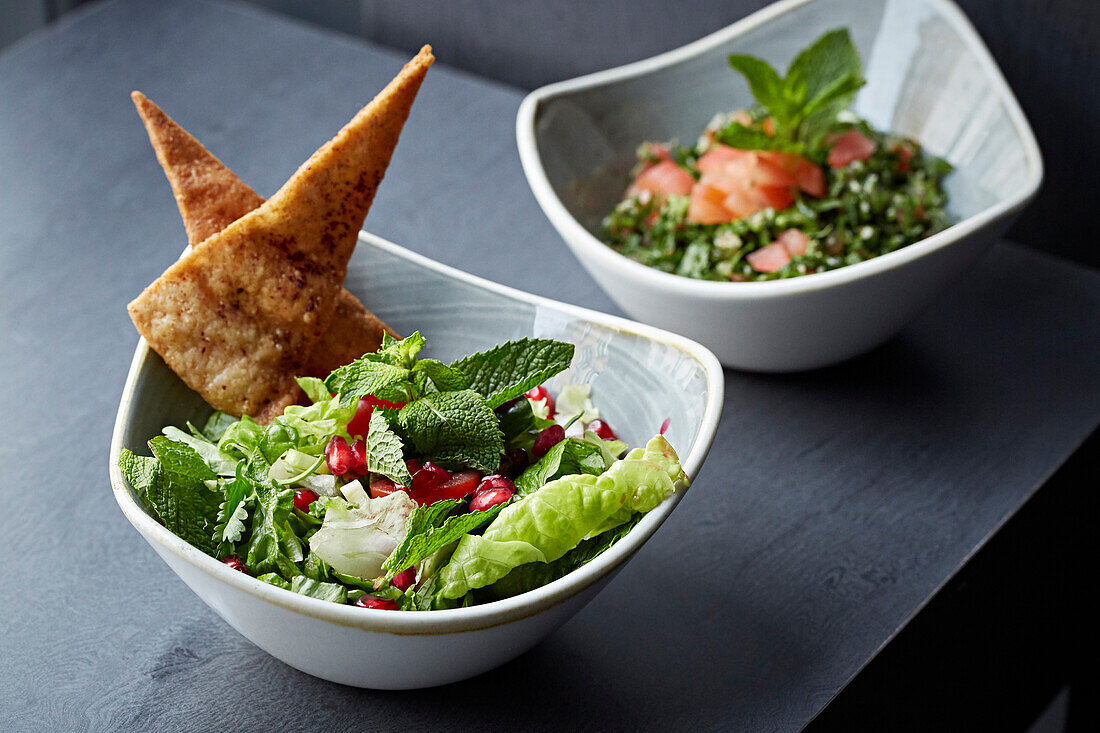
<point x="639" y="376"/>
<point x="929" y="77"/>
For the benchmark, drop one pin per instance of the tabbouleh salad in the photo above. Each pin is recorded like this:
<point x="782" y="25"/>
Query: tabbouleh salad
<point x="797" y="184"/>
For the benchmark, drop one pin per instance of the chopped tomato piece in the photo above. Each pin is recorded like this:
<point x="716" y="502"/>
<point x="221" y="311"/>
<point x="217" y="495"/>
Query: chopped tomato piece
<point x="460" y="485"/>
<point x="770" y="258"/>
<point x="795" y="240"/>
<point x="661" y="180"/>
<point x="849" y="147"/>
<point x="737" y="183"/>
<point x="384" y="487"/>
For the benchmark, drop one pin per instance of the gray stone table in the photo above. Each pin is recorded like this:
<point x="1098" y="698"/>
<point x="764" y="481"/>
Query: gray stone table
<point x="832" y="508"/>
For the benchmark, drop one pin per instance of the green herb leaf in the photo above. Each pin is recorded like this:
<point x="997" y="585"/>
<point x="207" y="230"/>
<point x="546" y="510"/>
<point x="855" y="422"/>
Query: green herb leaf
<point x="454" y="429"/>
<point x="385" y="451"/>
<point x="178" y="457"/>
<point x="510" y="369"/>
<point x="233" y="513"/>
<point x="217" y="424"/>
<point x="764" y="83"/>
<point x="364" y="376"/>
<point x="431" y="533"/>
<point x="747" y="138"/>
<point x="830" y="58"/>
<point x="570" y="456"/>
<point x="445" y="378"/>
<point x="179" y="498"/>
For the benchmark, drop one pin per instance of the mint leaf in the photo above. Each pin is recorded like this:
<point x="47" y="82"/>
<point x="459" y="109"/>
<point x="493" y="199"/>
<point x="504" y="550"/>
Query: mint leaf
<point x="506" y="371"/>
<point x="831" y="57"/>
<point x="364" y="376"/>
<point x="141" y="472"/>
<point x="454" y="429"/>
<point x="570" y="456"/>
<point x="423" y="520"/>
<point x="385" y="452"/>
<point x="178" y="457"/>
<point x="432" y="531"/>
<point x="764" y="83"/>
<point x="445" y="378"/>
<point x="182" y="502"/>
<point x="318" y="589"/>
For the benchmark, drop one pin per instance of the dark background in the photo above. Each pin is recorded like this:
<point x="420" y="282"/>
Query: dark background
<point x="1049" y="50"/>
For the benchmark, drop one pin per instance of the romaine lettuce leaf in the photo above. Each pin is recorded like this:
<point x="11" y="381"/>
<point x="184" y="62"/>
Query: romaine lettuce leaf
<point x="553" y="520"/>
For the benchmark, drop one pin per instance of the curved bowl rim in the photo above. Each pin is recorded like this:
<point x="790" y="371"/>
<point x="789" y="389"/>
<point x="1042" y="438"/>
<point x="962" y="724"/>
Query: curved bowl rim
<point x="460" y="620"/>
<point x="594" y="253"/>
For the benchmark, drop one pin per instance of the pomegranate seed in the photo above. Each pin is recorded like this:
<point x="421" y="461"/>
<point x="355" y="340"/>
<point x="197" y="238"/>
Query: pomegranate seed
<point x="404" y="580"/>
<point x="489" y="498"/>
<point x="369" y="601"/>
<point x="547" y="439"/>
<point x="413" y="465"/>
<point x="338" y="456"/>
<point x="359" y="457"/>
<point x="303" y="498"/>
<point x="235" y="562"/>
<point x="360" y="424"/>
<point x="665" y="424"/>
<point x="429" y="476"/>
<point x="496" y="481"/>
<point x="600" y="428"/>
<point x="539" y="394"/>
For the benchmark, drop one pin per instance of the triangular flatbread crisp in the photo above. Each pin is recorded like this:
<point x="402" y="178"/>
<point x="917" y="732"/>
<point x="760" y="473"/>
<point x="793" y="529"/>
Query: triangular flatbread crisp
<point x="237" y="317"/>
<point x="210" y="197"/>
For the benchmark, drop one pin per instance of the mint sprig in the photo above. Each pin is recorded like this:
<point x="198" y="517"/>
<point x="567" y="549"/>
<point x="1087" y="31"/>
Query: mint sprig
<point x="820" y="83"/>
<point x="173" y="486"/>
<point x="506" y="371"/>
<point x="454" y="429"/>
<point x="430" y="529"/>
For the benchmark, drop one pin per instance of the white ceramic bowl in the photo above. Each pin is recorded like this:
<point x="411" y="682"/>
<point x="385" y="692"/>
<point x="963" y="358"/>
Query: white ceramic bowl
<point x="639" y="376"/>
<point x="929" y="76"/>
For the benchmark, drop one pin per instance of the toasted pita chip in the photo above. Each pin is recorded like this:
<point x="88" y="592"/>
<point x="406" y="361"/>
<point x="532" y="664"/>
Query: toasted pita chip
<point x="237" y="317"/>
<point x="210" y="197"/>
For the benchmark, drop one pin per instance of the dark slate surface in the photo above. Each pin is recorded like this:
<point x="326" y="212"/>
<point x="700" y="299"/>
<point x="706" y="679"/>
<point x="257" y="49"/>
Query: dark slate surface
<point x="832" y="506"/>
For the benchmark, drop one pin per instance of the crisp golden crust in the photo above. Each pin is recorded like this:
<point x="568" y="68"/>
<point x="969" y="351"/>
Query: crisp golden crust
<point x="211" y="197"/>
<point x="354" y="331"/>
<point x="236" y="317"/>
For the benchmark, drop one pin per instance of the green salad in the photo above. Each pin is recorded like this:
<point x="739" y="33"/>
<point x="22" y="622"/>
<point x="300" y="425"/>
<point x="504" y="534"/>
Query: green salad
<point x="410" y="483"/>
<point x="796" y="184"/>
